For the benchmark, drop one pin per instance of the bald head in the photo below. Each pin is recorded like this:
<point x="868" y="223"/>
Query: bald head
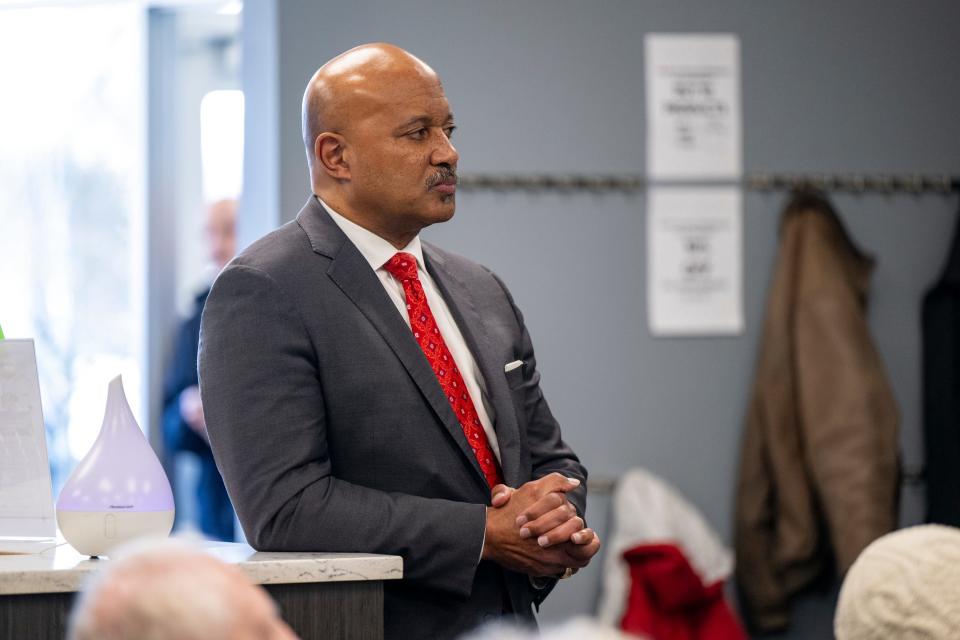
<point x="349" y="87"/>
<point x="377" y="128"/>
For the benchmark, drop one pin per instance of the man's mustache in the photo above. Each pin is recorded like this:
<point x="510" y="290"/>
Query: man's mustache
<point x="444" y="174"/>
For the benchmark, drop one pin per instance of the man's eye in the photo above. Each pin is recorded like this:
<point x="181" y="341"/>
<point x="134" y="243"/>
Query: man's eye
<point x="449" y="131"/>
<point x="419" y="134"/>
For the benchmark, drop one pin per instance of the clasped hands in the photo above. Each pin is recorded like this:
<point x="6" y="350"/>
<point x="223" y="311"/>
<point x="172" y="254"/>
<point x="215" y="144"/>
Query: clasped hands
<point x="535" y="530"/>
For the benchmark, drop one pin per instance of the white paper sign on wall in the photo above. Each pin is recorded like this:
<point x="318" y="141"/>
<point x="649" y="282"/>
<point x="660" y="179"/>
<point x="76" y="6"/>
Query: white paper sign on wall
<point x="694" y="261"/>
<point x="693" y="106"/>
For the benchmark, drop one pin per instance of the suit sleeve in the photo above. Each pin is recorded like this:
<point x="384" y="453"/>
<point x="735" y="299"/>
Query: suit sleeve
<point x="259" y="380"/>
<point x="548" y="451"/>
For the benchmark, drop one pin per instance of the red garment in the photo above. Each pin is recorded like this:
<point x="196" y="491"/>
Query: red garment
<point x="403" y="267"/>
<point x="668" y="600"/>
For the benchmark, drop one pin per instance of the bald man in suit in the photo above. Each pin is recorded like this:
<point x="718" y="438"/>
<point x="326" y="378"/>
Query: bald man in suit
<point x="366" y="391"/>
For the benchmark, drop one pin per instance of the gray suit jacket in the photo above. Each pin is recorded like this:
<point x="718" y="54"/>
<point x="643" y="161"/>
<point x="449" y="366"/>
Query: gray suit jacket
<point x="333" y="434"/>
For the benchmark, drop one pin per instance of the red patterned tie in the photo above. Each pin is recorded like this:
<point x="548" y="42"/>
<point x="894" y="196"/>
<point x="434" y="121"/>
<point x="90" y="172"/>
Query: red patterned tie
<point x="403" y="267"/>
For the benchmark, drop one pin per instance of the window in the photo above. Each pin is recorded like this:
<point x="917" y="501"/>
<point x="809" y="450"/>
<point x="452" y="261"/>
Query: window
<point x="221" y="143"/>
<point x="72" y="208"/>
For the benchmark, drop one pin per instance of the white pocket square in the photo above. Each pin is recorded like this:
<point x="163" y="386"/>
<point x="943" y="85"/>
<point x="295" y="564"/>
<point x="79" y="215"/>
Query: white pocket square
<point x="510" y="366"/>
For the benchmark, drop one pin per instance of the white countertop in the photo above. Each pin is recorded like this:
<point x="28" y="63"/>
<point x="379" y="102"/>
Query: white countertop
<point x="62" y="569"/>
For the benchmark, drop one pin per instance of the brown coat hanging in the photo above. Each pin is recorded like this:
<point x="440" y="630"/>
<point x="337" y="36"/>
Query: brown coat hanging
<point x="819" y="469"/>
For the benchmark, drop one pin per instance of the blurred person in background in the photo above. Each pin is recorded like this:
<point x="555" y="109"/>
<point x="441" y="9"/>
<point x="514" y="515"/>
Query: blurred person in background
<point x="183" y="422"/>
<point x="173" y="592"/>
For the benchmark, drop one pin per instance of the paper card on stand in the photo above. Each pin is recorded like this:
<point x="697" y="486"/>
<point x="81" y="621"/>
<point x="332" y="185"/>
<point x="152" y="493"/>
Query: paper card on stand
<point x="26" y="500"/>
<point x="693" y="107"/>
<point x="694" y="261"/>
<point x="10" y="546"/>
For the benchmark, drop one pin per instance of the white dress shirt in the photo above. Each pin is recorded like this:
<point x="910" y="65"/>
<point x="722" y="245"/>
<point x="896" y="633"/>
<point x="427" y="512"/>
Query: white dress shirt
<point x="377" y="252"/>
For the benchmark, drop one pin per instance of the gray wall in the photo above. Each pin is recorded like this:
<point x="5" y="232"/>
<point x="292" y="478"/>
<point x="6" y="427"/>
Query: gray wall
<point x="545" y="86"/>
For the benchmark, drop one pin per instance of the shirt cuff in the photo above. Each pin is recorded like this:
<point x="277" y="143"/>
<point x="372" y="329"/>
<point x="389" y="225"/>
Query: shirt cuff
<point x="483" y="543"/>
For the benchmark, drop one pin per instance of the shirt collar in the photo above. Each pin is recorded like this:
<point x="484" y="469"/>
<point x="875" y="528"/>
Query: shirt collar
<point x="372" y="247"/>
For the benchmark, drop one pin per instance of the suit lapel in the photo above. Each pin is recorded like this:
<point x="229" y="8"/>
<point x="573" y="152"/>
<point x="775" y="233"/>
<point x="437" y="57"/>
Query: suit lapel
<point x="470" y="322"/>
<point x="353" y="275"/>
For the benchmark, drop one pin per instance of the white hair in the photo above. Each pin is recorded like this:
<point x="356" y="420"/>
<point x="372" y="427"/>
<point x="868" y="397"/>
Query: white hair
<point x="904" y="585"/>
<point x="581" y="628"/>
<point x="163" y="591"/>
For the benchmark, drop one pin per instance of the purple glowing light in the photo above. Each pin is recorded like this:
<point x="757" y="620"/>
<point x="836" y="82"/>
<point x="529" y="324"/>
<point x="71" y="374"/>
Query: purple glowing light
<point x="121" y="472"/>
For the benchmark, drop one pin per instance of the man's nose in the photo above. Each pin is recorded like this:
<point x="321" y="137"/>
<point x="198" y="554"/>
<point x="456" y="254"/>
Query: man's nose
<point x="445" y="152"/>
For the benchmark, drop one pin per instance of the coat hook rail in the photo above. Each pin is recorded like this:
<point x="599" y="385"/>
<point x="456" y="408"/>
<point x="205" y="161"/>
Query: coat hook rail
<point x="847" y="182"/>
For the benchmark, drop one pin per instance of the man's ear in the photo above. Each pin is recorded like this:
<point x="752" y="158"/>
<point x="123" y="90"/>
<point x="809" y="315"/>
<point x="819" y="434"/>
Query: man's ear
<point x="330" y="151"/>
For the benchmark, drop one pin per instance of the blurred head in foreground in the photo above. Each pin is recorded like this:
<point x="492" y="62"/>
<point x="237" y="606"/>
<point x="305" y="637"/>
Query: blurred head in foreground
<point x="577" y="629"/>
<point x="173" y="591"/>
<point x="905" y="585"/>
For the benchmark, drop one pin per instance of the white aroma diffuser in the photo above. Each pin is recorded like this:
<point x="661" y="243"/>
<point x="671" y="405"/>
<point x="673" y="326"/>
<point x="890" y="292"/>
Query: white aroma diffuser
<point x="119" y="490"/>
